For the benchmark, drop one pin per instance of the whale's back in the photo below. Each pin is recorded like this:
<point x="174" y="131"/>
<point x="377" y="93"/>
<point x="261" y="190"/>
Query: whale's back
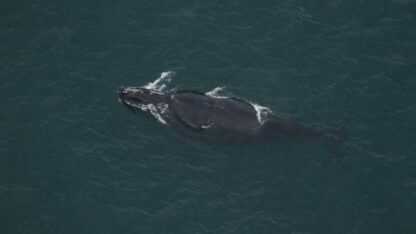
<point x="200" y="111"/>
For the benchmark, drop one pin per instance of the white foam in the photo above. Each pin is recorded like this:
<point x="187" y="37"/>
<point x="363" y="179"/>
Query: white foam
<point x="156" y="111"/>
<point x="162" y="108"/>
<point x="209" y="125"/>
<point x="161" y="82"/>
<point x="216" y="92"/>
<point x="261" y="112"/>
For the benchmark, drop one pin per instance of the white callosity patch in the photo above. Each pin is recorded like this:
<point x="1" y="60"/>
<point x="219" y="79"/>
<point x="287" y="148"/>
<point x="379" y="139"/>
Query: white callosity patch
<point x="161" y="82"/>
<point x="261" y="112"/>
<point x="132" y="90"/>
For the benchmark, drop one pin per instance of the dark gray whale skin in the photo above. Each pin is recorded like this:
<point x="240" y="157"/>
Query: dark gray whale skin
<point x="206" y="113"/>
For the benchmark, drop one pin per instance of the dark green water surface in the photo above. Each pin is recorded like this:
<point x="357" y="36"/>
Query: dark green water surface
<point x="74" y="160"/>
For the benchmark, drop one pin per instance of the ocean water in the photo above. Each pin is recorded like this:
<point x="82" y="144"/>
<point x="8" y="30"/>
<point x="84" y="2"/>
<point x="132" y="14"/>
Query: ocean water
<point x="74" y="160"/>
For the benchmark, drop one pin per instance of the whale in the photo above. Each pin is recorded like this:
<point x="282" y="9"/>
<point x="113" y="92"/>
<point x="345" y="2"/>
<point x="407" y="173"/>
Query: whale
<point x="226" y="115"/>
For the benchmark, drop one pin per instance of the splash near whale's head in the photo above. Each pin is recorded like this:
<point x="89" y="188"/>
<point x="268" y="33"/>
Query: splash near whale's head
<point x="150" y="97"/>
<point x="137" y="98"/>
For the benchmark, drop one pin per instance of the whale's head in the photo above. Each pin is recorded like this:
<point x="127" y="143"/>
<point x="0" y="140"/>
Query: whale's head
<point x="137" y="97"/>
